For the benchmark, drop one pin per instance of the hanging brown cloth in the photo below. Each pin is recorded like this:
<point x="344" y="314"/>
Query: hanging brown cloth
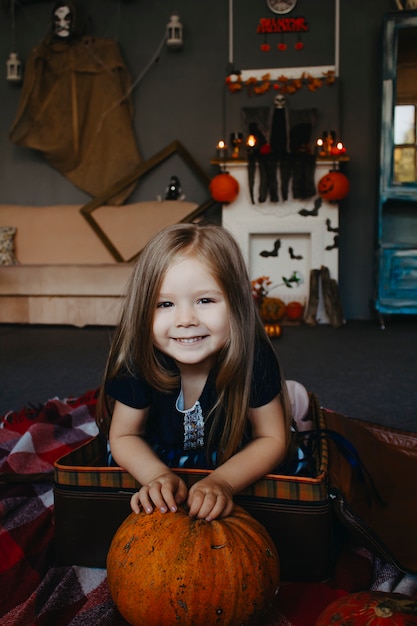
<point x="76" y="110"/>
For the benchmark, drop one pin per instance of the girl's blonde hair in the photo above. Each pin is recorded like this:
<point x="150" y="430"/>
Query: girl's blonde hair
<point x="133" y="347"/>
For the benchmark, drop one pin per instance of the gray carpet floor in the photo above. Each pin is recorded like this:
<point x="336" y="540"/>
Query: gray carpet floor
<point x="358" y="369"/>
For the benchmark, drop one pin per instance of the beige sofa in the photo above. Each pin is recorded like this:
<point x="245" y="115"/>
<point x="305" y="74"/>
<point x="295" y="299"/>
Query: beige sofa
<point x="65" y="273"/>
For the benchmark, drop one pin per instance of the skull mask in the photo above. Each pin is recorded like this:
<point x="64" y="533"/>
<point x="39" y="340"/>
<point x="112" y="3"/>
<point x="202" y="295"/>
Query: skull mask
<point x="62" y="21"/>
<point x="279" y="101"/>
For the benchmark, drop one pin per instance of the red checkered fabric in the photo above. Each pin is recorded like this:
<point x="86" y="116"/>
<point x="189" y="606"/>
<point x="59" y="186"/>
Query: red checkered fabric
<point x="35" y="592"/>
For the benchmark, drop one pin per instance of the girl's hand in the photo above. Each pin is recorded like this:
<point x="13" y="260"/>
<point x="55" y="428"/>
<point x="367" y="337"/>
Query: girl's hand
<point x="165" y="491"/>
<point x="210" y="498"/>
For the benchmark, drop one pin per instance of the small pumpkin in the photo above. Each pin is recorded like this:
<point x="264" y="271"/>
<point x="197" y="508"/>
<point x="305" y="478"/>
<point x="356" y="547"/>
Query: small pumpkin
<point x="294" y="310"/>
<point x="272" y="310"/>
<point x="165" y="569"/>
<point x="224" y="188"/>
<point x="273" y="330"/>
<point x="333" y="186"/>
<point x="370" y="608"/>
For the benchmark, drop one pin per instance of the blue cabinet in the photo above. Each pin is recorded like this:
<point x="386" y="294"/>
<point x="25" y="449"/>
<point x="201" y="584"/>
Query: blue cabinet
<point x="396" y="284"/>
<point x="398" y="280"/>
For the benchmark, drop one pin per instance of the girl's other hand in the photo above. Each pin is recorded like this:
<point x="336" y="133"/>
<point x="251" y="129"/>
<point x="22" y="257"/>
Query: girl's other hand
<point x="210" y="498"/>
<point x="164" y="492"/>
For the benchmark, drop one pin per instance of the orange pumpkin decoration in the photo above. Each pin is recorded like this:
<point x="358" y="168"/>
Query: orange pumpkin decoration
<point x="370" y="608"/>
<point x="224" y="188"/>
<point x="333" y="186"/>
<point x="272" y="309"/>
<point x="294" y="310"/>
<point x="273" y="330"/>
<point x="166" y="569"/>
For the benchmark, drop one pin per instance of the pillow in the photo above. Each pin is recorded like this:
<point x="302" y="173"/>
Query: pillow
<point x="7" y="251"/>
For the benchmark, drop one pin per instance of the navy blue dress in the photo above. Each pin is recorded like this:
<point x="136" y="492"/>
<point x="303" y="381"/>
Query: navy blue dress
<point x="179" y="436"/>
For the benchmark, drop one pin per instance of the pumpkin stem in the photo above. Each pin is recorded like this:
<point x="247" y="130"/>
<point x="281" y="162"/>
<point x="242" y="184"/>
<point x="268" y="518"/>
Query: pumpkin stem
<point x="381" y="610"/>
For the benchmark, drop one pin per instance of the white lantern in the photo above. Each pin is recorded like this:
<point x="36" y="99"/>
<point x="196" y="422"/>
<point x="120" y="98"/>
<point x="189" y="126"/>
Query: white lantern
<point x="174" y="33"/>
<point x="14" y="68"/>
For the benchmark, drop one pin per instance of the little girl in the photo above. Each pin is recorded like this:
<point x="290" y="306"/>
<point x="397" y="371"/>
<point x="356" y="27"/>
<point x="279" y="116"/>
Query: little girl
<point x="192" y="379"/>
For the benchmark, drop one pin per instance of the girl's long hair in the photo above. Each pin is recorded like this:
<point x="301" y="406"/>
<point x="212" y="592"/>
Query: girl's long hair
<point x="133" y="347"/>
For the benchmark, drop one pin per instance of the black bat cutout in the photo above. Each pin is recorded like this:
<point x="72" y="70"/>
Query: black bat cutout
<point x="314" y="212"/>
<point x="294" y="256"/>
<point x="335" y="243"/>
<point x="274" y="252"/>
<point x="330" y="228"/>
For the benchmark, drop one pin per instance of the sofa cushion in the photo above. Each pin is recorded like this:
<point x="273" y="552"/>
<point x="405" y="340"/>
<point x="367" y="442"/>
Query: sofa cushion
<point x="7" y="247"/>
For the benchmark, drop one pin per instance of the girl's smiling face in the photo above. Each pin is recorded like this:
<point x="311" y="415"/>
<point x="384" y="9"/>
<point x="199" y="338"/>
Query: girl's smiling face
<point x="191" y="321"/>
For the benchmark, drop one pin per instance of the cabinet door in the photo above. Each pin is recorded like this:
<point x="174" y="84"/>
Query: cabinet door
<point x="397" y="207"/>
<point x="398" y="283"/>
<point x="399" y="106"/>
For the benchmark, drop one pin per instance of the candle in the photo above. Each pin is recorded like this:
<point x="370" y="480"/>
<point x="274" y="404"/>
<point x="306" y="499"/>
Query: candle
<point x="221" y="149"/>
<point x="339" y="148"/>
<point x="251" y="142"/>
<point x="319" y="147"/>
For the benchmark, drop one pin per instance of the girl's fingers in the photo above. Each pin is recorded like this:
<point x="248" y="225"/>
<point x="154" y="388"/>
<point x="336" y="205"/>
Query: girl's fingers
<point x="166" y="496"/>
<point x="152" y="495"/>
<point x="135" y="502"/>
<point x="210" y="506"/>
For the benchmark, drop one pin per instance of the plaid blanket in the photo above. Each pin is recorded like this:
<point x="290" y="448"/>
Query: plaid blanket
<point x="36" y="592"/>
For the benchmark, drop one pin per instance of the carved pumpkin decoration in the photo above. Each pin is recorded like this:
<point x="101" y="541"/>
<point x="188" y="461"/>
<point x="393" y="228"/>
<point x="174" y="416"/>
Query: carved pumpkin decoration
<point x="370" y="608"/>
<point x="166" y="569"/>
<point x="333" y="186"/>
<point x="224" y="188"/>
<point x="273" y="330"/>
<point x="272" y="309"/>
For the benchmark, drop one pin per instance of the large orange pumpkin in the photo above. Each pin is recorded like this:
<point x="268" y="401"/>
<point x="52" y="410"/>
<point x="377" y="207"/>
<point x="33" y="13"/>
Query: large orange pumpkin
<point x="169" y="569"/>
<point x="370" y="608"/>
<point x="333" y="186"/>
<point x="224" y="188"/>
<point x="272" y="309"/>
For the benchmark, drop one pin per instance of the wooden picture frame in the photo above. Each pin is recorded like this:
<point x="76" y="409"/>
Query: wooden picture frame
<point x="141" y="170"/>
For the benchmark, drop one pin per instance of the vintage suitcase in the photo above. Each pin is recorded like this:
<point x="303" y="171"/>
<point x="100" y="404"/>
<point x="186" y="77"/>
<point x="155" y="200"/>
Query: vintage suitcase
<point x="372" y="484"/>
<point x="91" y="501"/>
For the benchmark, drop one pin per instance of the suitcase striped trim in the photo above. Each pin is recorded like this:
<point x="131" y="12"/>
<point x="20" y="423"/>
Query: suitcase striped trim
<point x="86" y="467"/>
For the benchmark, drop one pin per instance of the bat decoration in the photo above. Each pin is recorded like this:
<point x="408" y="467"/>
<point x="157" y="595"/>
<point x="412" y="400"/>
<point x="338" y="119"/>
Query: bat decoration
<point x="330" y="229"/>
<point x="274" y="252"/>
<point x="314" y="212"/>
<point x="298" y="257"/>
<point x="335" y="243"/>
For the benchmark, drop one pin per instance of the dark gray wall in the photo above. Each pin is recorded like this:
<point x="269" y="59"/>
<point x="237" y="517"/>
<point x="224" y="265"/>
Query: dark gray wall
<point x="182" y="97"/>
<point x="361" y="63"/>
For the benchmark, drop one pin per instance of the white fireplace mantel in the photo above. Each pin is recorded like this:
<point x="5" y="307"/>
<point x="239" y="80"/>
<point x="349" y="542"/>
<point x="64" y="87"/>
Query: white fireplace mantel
<point x="303" y="242"/>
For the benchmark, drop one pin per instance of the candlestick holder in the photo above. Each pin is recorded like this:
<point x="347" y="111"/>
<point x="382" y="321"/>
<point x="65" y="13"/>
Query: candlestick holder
<point x="221" y="149"/>
<point x="236" y="139"/>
